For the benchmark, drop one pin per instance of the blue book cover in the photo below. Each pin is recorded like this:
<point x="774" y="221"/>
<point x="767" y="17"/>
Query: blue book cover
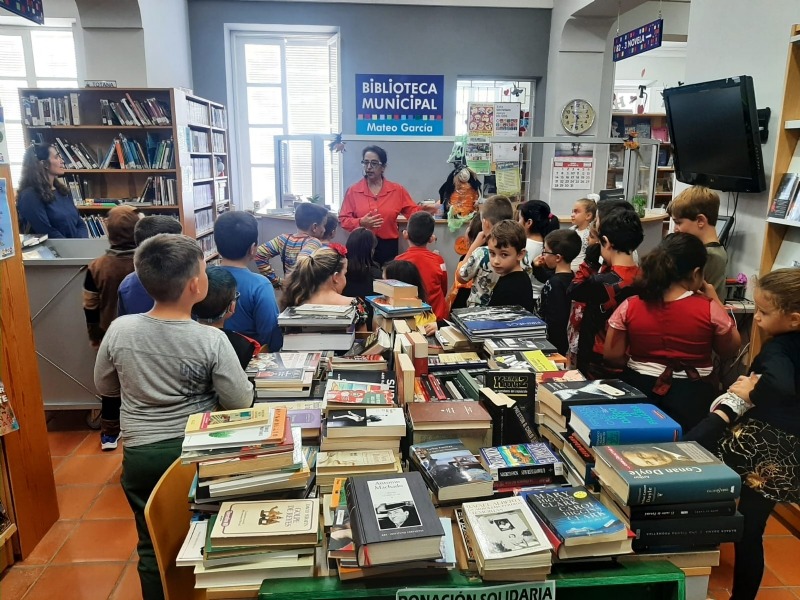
<point x="607" y="424"/>
<point x="478" y="319"/>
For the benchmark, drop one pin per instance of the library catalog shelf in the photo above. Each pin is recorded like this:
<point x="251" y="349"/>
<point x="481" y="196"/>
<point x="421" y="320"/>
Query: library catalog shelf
<point x="787" y="222"/>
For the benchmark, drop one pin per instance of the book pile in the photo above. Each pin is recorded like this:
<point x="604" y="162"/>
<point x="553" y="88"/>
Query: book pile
<point x="479" y="323"/>
<point x="396" y="300"/>
<point x="312" y="326"/>
<point x="670" y="494"/>
<point x="508" y="542"/>
<point x="284" y="374"/>
<point x="522" y="465"/>
<point x="467" y="421"/>
<point x="450" y="470"/>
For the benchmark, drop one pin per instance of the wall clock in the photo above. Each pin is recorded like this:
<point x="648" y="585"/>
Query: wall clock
<point x="577" y="116"/>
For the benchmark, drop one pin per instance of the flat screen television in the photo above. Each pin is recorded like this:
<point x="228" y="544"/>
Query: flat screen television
<point x="714" y="131"/>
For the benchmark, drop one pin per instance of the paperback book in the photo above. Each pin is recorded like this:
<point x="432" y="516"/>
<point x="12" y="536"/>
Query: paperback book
<point x="518" y="462"/>
<point x="451" y="470"/>
<point x="275" y="522"/>
<point x="611" y="424"/>
<point x="489" y="321"/>
<point x="562" y="395"/>
<point x="509" y="345"/>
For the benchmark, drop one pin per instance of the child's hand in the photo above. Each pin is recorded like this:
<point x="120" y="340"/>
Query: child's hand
<point x="538" y="261"/>
<point x="743" y="386"/>
<point x="431" y="328"/>
<point x="710" y="292"/>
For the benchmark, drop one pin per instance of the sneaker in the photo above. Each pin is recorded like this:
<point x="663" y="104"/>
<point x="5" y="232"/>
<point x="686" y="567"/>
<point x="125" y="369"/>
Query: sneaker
<point x="109" y="442"/>
<point x="735" y="403"/>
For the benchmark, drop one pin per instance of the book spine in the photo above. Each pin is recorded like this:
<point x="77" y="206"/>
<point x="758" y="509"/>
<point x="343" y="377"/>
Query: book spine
<point x="509" y="474"/>
<point x="436" y="386"/>
<point x="698" y="488"/>
<point x="687" y="532"/>
<point x="644" y="435"/>
<point x="76" y="113"/>
<point x="704" y="509"/>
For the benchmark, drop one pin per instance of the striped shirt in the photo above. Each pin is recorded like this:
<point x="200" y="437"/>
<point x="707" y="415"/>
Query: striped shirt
<point x="289" y="247"/>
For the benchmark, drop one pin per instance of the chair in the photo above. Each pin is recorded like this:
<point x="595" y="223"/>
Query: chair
<point x="167" y="516"/>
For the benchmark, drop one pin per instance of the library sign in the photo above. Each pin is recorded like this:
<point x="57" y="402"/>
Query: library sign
<point x="544" y="590"/>
<point x="638" y="40"/>
<point x="399" y="105"/>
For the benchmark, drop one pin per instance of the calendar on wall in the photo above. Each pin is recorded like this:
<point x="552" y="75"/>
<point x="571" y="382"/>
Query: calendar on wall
<point x="572" y="173"/>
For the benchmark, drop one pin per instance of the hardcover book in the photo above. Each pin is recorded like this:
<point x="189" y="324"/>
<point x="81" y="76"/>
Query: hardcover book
<point x="450" y="470"/>
<point x="562" y="395"/>
<point x="609" y="424"/>
<point x="509" y="345"/>
<point x="290" y="317"/>
<point x="665" y="473"/>
<point x="487" y="321"/>
<point x="508" y="464"/>
<point x="708" y="531"/>
<point x="393" y="288"/>
<point x="275" y="522"/>
<point x="384" y="305"/>
<point x="519" y="385"/>
<point x="445" y="420"/>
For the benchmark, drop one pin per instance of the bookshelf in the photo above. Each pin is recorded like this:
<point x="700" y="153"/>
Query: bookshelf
<point x="158" y="145"/>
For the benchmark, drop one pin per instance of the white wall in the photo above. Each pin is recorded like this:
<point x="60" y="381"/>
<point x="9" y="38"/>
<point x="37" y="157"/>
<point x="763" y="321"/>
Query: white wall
<point x="166" y="42"/>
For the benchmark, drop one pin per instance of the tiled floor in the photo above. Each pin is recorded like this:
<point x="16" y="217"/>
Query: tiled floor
<point x="89" y="554"/>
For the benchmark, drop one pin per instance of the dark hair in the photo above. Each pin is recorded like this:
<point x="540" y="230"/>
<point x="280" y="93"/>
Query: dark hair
<point x="331" y="223"/>
<point x="165" y="263"/>
<point x="309" y="274"/>
<point x="235" y="232"/>
<point x="360" y="246"/>
<point x="508" y="234"/>
<point x="407" y="272"/>
<point x="474" y="228"/>
<point x="496" y="208"/>
<point x="120" y="225"/>
<point x="673" y="260"/>
<point x="542" y="220"/>
<point x="606" y="206"/>
<point x="221" y="292"/>
<point x="153" y="225"/>
<point x="375" y="150"/>
<point x="35" y="174"/>
<point x="693" y="202"/>
<point x="420" y="228"/>
<point x="307" y="214"/>
<point x="623" y="228"/>
<point x="565" y="242"/>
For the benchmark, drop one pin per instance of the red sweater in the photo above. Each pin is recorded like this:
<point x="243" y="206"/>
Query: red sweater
<point x="434" y="277"/>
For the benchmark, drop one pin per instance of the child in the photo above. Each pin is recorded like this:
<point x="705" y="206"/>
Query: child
<point x="236" y="236"/>
<point x="537" y="221"/>
<point x="103" y="277"/>
<point x="310" y="220"/>
<point x="506" y="244"/>
<point x="419" y="234"/>
<point x="457" y="298"/>
<point x="331" y="225"/>
<point x="665" y="337"/>
<point x="602" y="289"/>
<point x="583" y="213"/>
<point x="695" y="210"/>
<point x="362" y="269"/>
<point x="217" y="307"/>
<point x="763" y="445"/>
<point x="560" y="249"/>
<point x="132" y="298"/>
<point x="407" y="272"/>
<point x="165" y="367"/>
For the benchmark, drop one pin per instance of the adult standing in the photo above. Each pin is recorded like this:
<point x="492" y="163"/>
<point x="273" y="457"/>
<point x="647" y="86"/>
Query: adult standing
<point x="374" y="203"/>
<point x="44" y="203"/>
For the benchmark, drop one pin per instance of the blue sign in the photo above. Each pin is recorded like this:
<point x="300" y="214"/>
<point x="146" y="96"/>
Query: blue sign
<point x="638" y="40"/>
<point x="400" y="104"/>
<point x="29" y="9"/>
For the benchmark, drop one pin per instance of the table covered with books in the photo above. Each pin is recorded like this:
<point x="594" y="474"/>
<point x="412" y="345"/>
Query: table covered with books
<point x="471" y="458"/>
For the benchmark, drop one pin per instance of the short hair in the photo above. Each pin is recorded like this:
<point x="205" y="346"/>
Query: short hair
<point x="497" y="208"/>
<point x="565" y="242"/>
<point x="623" y="229"/>
<point x="375" y="150"/>
<point x="235" y="232"/>
<point x="165" y="263"/>
<point x="693" y="202"/>
<point x="508" y="234"/>
<point x="420" y="228"/>
<point x="606" y="206"/>
<point x="308" y="213"/>
<point x="221" y="292"/>
<point x="153" y="225"/>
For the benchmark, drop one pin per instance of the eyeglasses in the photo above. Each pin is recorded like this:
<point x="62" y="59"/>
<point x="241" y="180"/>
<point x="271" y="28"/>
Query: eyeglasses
<point x="545" y="252"/>
<point x="371" y="163"/>
<point x="225" y="312"/>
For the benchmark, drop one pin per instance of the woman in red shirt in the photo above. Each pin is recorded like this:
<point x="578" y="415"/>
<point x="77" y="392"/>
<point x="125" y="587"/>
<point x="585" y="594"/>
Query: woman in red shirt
<point x="665" y="337"/>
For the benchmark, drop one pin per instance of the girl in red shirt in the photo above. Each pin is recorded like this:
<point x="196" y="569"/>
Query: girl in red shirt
<point x="664" y="338"/>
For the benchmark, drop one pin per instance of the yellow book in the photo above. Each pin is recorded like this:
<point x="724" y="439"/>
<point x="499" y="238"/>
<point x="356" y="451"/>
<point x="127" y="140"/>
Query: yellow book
<point x="539" y="361"/>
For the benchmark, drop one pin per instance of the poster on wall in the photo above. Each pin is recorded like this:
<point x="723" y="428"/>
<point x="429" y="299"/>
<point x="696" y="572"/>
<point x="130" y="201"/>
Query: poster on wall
<point x="6" y="227"/>
<point x="27" y="9"/>
<point x="400" y="105"/>
<point x="480" y="119"/>
<point x="507" y="178"/>
<point x="478" y="155"/>
<point x="506" y="119"/>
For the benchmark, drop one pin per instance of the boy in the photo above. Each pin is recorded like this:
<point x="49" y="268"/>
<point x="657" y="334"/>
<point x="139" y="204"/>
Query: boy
<point x="506" y="244"/>
<point x="218" y="306"/>
<point x="103" y="278"/>
<point x="695" y="211"/>
<point x="432" y="268"/>
<point x="310" y="220"/>
<point x="132" y="298"/>
<point x="561" y="247"/>
<point x="165" y="367"/>
<point x="236" y="235"/>
<point x="603" y="289"/>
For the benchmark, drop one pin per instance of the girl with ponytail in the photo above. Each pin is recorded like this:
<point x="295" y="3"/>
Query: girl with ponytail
<point x="537" y="221"/>
<point x="665" y="337"/>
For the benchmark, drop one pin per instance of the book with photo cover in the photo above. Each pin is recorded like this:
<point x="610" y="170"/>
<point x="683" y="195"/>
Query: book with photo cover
<point x="561" y="395"/>
<point x="509" y="345"/>
<point x="450" y="470"/>
<point x="277" y="361"/>
<point x="8" y="420"/>
<point x="392" y="518"/>
<point x="383" y="305"/>
<point x="481" y="322"/>
<point x="516" y="462"/>
<point x="291" y="318"/>
<point x="361" y="422"/>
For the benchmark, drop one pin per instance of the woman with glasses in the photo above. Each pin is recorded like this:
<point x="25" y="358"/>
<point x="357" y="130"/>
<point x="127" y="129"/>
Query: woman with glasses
<point x="374" y="203"/>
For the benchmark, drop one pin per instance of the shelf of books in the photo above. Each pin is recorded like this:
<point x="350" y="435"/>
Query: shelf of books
<point x="159" y="149"/>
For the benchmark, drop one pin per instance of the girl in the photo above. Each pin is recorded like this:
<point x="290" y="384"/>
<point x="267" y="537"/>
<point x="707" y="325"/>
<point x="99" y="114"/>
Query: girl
<point x="361" y="267"/>
<point x="537" y="221"/>
<point x="457" y="298"/>
<point x="763" y="446"/>
<point x="664" y="338"/>
<point x="330" y="227"/>
<point x="583" y="213"/>
<point x="407" y="272"/>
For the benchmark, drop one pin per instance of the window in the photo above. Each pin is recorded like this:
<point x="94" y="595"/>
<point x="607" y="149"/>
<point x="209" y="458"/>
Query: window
<point x="285" y="85"/>
<point x="32" y="57"/>
<point x="488" y="90"/>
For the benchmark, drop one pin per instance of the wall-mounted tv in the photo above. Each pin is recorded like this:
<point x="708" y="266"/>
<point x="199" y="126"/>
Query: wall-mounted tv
<point x="714" y="130"/>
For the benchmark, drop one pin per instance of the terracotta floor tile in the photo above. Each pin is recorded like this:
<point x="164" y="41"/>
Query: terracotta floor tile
<point x="68" y="420"/>
<point x="91" y="445"/>
<point x="780" y="593"/>
<point x="51" y="543"/>
<point x="116" y="477"/>
<point x="774" y="527"/>
<point x="781" y="558"/>
<point x="128" y="587"/>
<point x="63" y="443"/>
<point x="76" y="582"/>
<point x="87" y="469"/>
<point x="106" y="540"/>
<point x="110" y="504"/>
<point x="17" y="580"/>
<point x="795" y="591"/>
<point x="56" y="460"/>
<point x="75" y="500"/>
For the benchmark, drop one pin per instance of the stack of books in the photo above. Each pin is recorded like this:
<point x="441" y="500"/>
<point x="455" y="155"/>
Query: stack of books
<point x="396" y="300"/>
<point x="284" y="374"/>
<point x="451" y="471"/>
<point x="363" y="428"/>
<point x="501" y="346"/>
<point x="312" y="326"/>
<point x="670" y="494"/>
<point x="479" y="323"/>
<point x="522" y="465"/>
<point x="344" y="463"/>
<point x="467" y="421"/>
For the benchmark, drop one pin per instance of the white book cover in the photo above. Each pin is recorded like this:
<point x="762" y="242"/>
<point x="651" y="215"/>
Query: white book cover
<point x="337" y="459"/>
<point x="369" y="418"/>
<point x="267" y="518"/>
<point x="505" y="528"/>
<point x="245" y="436"/>
<point x="191" y="552"/>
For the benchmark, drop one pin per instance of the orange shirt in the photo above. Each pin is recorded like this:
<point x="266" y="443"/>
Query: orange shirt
<point x="393" y="200"/>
